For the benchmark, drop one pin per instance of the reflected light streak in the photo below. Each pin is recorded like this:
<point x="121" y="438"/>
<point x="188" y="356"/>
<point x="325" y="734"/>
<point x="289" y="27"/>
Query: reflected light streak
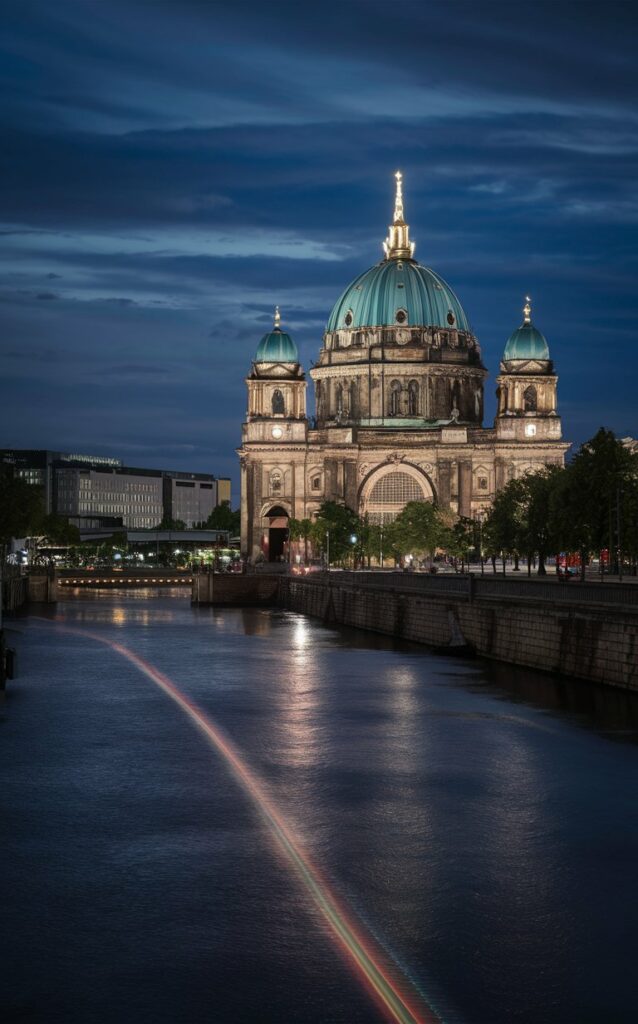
<point x="381" y="977"/>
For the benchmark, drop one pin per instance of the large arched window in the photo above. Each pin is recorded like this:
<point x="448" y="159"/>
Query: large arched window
<point x="389" y="492"/>
<point x="278" y="404"/>
<point x="413" y="398"/>
<point x="530" y="399"/>
<point x="339" y="400"/>
<point x="395" y="398"/>
<point x="455" y="396"/>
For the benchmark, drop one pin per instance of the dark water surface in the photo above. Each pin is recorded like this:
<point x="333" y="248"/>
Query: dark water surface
<point x="481" y="822"/>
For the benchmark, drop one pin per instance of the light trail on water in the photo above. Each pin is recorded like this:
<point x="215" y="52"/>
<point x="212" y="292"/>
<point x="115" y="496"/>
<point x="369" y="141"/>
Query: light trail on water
<point x="381" y="976"/>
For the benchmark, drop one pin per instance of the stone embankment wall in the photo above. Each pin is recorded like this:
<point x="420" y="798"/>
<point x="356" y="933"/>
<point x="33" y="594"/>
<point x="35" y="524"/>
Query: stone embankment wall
<point x="229" y="589"/>
<point x="15" y="591"/>
<point x="43" y="587"/>
<point x="581" y="632"/>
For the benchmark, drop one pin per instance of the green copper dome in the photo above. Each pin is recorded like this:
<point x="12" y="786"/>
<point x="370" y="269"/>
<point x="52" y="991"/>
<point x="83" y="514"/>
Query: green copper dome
<point x="398" y="292"/>
<point x="277" y="346"/>
<point x="526" y="342"/>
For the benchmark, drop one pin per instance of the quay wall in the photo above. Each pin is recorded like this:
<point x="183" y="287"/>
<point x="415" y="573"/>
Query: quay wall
<point x="227" y="589"/>
<point x="15" y="592"/>
<point x="582" y="633"/>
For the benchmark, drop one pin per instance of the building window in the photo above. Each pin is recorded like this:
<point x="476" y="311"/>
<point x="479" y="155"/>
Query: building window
<point x="339" y="400"/>
<point x="348" y="318"/>
<point x="401" y="316"/>
<point x="315" y="483"/>
<point x="530" y="399"/>
<point x="413" y="398"/>
<point x="451" y="319"/>
<point x="482" y="483"/>
<point x="278" y="404"/>
<point x="275" y="482"/>
<point x="395" y="398"/>
<point x="353" y="398"/>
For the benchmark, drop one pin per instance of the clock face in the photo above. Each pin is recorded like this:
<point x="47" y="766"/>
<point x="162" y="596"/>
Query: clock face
<point x="277" y="432"/>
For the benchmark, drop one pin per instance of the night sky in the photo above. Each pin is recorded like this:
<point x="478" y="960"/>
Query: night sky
<point x="171" y="170"/>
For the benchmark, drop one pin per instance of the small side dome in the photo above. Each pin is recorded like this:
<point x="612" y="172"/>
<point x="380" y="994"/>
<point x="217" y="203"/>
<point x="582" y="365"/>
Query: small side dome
<point x="526" y="342"/>
<point x="277" y="346"/>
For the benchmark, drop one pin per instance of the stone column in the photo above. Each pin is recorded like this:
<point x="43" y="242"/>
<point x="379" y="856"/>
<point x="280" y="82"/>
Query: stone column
<point x="465" y="488"/>
<point x="445" y="489"/>
<point x="245" y="517"/>
<point x="500" y="474"/>
<point x="350" y="488"/>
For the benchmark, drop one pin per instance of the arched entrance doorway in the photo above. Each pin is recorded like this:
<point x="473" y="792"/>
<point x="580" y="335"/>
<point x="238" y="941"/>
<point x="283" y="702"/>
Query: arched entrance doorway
<point x="388" y="489"/>
<point x="276" y="534"/>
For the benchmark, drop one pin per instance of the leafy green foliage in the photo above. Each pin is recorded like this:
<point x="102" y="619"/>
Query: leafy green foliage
<point x="598" y="488"/>
<point x="417" y="530"/>
<point x="334" y="527"/>
<point x="301" y="529"/>
<point x="223" y="518"/>
<point x="21" y="506"/>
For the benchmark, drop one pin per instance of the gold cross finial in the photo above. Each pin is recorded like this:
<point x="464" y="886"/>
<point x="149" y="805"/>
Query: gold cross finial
<point x="277" y="318"/>
<point x="527" y="310"/>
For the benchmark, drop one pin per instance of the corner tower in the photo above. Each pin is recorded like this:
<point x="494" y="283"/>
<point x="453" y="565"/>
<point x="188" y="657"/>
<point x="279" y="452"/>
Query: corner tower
<point x="274" y="437"/>
<point x="526" y="386"/>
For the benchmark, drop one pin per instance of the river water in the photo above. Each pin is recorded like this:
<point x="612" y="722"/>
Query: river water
<point x="478" y="823"/>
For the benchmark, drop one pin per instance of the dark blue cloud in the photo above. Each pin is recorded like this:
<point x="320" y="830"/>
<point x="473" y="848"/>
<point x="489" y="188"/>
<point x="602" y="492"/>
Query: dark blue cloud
<point x="171" y="170"/>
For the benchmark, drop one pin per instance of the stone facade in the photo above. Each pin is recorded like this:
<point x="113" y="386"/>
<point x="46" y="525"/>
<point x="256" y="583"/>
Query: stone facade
<point x="399" y="408"/>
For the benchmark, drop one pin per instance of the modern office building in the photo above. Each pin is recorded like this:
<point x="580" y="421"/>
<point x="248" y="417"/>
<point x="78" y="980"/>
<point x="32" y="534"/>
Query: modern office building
<point x="95" y="490"/>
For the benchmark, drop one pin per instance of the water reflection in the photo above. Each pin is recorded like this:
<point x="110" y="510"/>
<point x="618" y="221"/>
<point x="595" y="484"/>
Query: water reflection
<point x="476" y="816"/>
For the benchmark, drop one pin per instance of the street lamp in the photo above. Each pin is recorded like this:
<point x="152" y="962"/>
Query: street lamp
<point x="328" y="549"/>
<point x="353" y="541"/>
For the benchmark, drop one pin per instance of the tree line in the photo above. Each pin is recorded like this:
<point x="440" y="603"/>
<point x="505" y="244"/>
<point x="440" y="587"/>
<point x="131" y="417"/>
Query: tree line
<point x="588" y="507"/>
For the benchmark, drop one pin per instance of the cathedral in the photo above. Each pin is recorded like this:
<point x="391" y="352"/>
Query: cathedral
<point x="399" y="407"/>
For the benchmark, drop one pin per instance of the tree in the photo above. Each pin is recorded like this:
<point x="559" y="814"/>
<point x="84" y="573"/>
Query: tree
<point x="301" y="529"/>
<point x="168" y="523"/>
<point x="589" y="498"/>
<point x="416" y="530"/>
<point x="503" y="529"/>
<point x="459" y="539"/>
<point x="223" y="518"/>
<point x="20" y="508"/>
<point x="333" y="530"/>
<point x="537" y="531"/>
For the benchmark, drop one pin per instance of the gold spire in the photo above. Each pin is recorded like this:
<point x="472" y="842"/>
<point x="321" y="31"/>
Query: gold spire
<point x="277" y="319"/>
<point x="527" y="310"/>
<point x="398" y="199"/>
<point x="397" y="245"/>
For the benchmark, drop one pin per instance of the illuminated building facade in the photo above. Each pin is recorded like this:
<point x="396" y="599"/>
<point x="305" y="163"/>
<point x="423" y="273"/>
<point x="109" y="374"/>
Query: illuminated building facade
<point x="89" y="489"/>
<point x="399" y="406"/>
